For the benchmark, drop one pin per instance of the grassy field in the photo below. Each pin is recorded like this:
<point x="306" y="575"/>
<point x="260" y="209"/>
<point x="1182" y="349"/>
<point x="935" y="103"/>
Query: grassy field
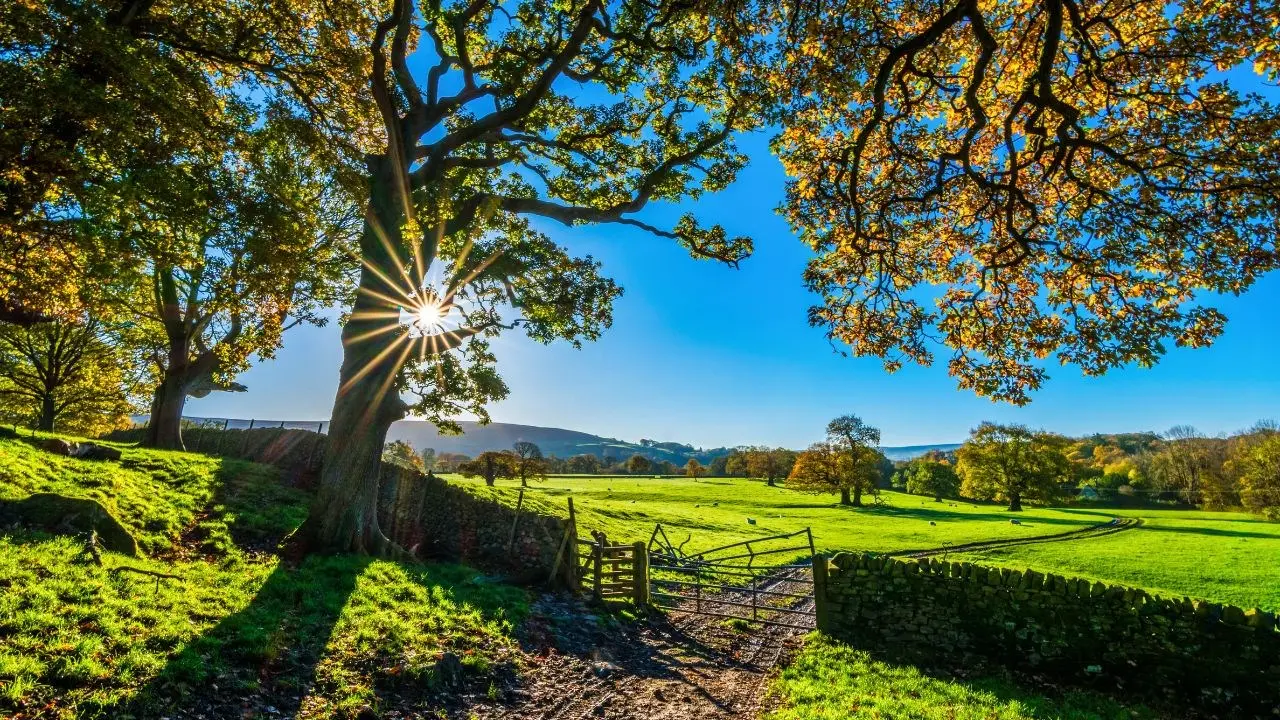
<point x="1224" y="557"/>
<point x="325" y="639"/>
<point x="830" y="681"/>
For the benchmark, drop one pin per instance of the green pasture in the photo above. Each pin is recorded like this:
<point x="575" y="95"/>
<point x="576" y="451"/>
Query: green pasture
<point x="1224" y="557"/>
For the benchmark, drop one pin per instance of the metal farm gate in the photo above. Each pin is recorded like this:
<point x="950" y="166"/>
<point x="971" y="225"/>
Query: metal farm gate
<point x="738" y="581"/>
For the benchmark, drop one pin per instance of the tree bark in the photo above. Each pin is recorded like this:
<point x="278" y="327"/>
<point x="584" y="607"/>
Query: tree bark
<point x="857" y="496"/>
<point x="344" y="513"/>
<point x="844" y="497"/>
<point x="771" y="482"/>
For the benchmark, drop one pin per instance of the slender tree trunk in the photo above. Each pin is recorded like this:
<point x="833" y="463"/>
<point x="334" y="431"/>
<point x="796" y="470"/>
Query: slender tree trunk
<point x="344" y="513"/>
<point x="844" y="497"/>
<point x="48" y="412"/>
<point x="1015" y="502"/>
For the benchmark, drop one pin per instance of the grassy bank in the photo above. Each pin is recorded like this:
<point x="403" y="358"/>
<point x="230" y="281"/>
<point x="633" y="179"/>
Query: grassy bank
<point x="328" y="638"/>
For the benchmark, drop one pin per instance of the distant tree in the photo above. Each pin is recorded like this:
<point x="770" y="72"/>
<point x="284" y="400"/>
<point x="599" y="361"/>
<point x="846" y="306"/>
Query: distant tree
<point x="529" y="463"/>
<point x="859" y="441"/>
<point x="719" y="466"/>
<point x="1191" y="465"/>
<point x="929" y="477"/>
<point x="492" y="465"/>
<point x="665" y="467"/>
<point x="638" y="464"/>
<point x="428" y="459"/>
<point x="399" y="452"/>
<point x="694" y="469"/>
<point x="825" y="467"/>
<point x="65" y="376"/>
<point x="770" y="464"/>
<point x="1013" y="463"/>
<point x="736" y="463"/>
<point x="584" y="464"/>
<point x="1257" y="464"/>
<point x="447" y="462"/>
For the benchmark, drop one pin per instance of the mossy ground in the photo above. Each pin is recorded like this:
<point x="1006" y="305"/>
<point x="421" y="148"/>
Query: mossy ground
<point x="239" y="630"/>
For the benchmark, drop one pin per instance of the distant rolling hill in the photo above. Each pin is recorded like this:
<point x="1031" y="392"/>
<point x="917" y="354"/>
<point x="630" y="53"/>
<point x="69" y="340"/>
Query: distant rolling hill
<point x="477" y="438"/>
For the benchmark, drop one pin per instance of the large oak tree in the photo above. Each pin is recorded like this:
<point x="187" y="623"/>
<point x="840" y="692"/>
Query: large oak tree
<point x="567" y="112"/>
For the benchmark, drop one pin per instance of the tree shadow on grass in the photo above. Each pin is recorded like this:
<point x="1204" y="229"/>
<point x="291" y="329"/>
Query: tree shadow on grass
<point x="268" y="649"/>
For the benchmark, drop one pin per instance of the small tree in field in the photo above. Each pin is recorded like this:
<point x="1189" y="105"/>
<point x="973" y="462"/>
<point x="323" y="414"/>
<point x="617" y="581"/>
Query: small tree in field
<point x="694" y="469"/>
<point x="859" y="442"/>
<point x="1012" y="462"/>
<point x="492" y="465"/>
<point x="529" y="463"/>
<point x="638" y="464"/>
<point x="823" y="468"/>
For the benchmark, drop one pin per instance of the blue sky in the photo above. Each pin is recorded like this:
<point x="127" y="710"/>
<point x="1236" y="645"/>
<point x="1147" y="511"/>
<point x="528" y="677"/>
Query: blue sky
<point x="704" y="354"/>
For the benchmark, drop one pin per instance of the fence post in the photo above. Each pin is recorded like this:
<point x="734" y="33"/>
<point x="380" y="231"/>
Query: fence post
<point x="575" y="570"/>
<point x="515" y="521"/>
<point x="597" y="556"/>
<point x="821" y="609"/>
<point x="640" y="573"/>
<point x="754" y="587"/>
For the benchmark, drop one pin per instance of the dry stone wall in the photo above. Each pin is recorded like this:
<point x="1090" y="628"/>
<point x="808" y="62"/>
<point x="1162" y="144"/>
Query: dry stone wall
<point x="1177" y="652"/>
<point x="439" y="520"/>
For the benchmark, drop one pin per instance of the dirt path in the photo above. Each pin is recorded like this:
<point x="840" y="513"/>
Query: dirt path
<point x="1116" y="525"/>
<point x="681" y="666"/>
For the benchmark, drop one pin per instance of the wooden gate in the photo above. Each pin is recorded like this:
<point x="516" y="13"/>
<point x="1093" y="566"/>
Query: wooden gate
<point x="611" y="571"/>
<point x="737" y="581"/>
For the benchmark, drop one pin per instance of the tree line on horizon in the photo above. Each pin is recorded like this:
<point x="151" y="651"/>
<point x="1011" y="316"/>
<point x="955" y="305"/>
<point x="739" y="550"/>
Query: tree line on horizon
<point x="1012" y="464"/>
<point x="193" y="180"/>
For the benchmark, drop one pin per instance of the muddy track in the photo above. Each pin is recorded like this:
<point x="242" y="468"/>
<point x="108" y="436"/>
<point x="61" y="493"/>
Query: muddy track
<point x="1116" y="525"/>
<point x="674" y="666"/>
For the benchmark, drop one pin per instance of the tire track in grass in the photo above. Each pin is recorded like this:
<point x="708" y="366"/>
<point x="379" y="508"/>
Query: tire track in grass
<point x="1115" y="525"/>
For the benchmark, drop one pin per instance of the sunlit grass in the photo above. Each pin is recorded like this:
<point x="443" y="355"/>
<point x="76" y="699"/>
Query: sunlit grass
<point x="831" y="681"/>
<point x="333" y="635"/>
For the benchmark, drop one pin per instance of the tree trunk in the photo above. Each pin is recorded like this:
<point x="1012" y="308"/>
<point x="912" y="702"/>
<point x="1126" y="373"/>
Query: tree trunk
<point x="844" y="496"/>
<point x="344" y="513"/>
<point x="48" y="412"/>
<point x="1015" y="502"/>
<point x="771" y="482"/>
<point x="857" y="496"/>
<point x="164" y="429"/>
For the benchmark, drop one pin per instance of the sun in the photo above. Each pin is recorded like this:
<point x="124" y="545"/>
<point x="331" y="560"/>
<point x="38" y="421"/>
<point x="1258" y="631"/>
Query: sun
<point x="429" y="314"/>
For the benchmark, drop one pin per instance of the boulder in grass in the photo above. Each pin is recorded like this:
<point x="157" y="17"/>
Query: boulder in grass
<point x="57" y="446"/>
<point x="91" y="451"/>
<point x="71" y="516"/>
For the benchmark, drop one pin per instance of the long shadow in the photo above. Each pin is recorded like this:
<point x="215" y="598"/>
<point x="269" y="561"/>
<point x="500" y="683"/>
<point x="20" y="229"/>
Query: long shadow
<point x="926" y="513"/>
<point x="1215" y="532"/>
<point x="269" y="648"/>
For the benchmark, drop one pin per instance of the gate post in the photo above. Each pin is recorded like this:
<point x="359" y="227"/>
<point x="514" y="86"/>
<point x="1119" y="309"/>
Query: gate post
<point x="597" y="555"/>
<point x="640" y="574"/>
<point x="821" y="605"/>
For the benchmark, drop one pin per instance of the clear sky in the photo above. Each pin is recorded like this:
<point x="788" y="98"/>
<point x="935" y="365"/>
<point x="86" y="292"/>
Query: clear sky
<point x="711" y="356"/>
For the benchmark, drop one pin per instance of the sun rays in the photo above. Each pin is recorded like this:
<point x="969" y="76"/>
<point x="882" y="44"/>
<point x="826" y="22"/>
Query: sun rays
<point x="418" y="311"/>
